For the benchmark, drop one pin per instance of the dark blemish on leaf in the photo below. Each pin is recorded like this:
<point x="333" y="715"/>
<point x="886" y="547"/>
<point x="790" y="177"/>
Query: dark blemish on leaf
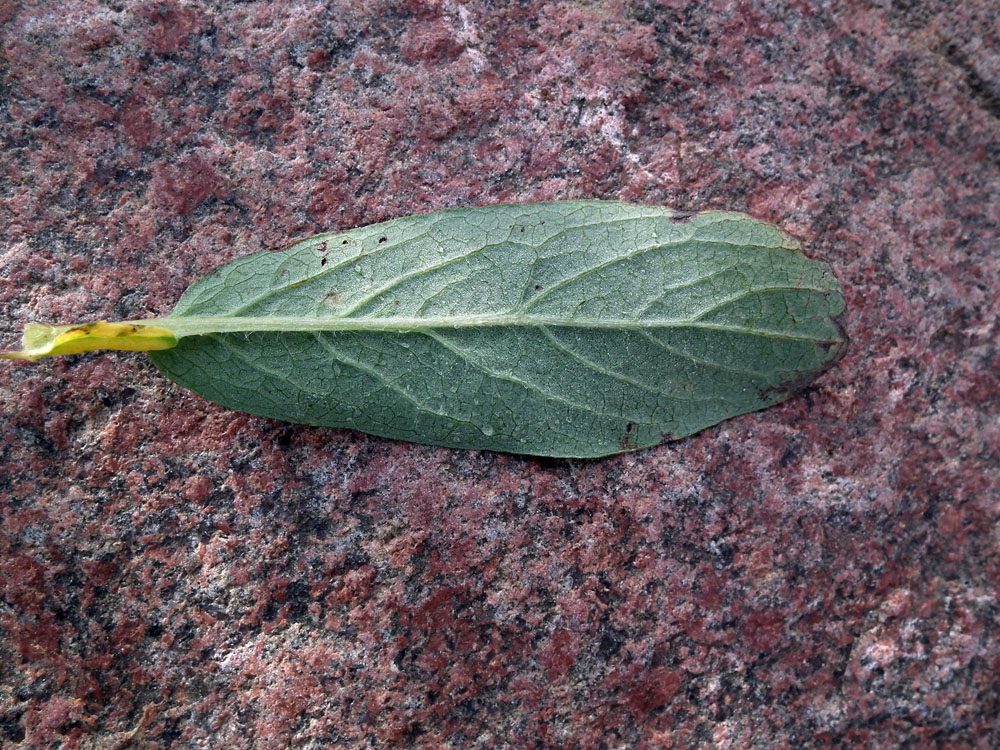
<point x="522" y="230"/>
<point x="381" y="240"/>
<point x="321" y="250"/>
<point x="680" y="217"/>
<point x="331" y="298"/>
<point x="345" y="242"/>
<point x="627" y="443"/>
<point x="538" y="287"/>
<point x="283" y="274"/>
<point x="287" y="245"/>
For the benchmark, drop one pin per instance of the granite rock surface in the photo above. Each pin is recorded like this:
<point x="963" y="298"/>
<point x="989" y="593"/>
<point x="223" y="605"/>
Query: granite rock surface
<point x="821" y="574"/>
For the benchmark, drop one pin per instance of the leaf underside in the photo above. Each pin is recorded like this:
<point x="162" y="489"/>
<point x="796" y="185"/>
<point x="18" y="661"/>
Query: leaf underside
<point x="571" y="329"/>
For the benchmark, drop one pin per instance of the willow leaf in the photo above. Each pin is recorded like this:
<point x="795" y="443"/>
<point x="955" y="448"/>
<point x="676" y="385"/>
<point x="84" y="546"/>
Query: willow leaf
<point x="579" y="328"/>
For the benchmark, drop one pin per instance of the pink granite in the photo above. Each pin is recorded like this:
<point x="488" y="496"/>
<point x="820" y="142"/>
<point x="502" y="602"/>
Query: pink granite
<point x="822" y="574"/>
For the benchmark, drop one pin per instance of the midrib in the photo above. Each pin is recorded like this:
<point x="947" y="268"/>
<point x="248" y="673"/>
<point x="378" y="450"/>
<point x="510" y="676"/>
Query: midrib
<point x="190" y="326"/>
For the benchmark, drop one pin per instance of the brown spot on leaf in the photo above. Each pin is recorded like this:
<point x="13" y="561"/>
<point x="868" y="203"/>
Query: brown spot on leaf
<point x="321" y="249"/>
<point x="627" y="443"/>
<point x="287" y="245"/>
<point x="679" y="217"/>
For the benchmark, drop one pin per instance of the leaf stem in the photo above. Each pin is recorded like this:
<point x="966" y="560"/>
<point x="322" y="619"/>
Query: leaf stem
<point x="41" y="340"/>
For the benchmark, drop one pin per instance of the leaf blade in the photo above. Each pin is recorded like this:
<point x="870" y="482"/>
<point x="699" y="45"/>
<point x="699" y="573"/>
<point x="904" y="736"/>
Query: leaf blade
<point x="566" y="329"/>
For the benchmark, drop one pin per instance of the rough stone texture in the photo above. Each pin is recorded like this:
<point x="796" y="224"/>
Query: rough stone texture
<point x="821" y="574"/>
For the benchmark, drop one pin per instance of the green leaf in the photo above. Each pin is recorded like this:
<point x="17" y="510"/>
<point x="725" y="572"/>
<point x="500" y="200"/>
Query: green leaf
<point x="577" y="329"/>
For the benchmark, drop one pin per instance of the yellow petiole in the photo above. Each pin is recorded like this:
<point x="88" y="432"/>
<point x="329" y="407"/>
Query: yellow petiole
<point x="49" y="341"/>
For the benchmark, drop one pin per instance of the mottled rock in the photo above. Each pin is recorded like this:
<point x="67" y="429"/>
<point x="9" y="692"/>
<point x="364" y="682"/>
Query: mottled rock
<point x="821" y="574"/>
